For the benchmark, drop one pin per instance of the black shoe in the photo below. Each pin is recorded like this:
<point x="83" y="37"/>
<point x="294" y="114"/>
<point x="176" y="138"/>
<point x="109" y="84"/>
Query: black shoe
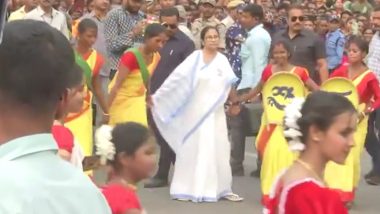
<point x="156" y="183"/>
<point x="238" y="172"/>
<point x="369" y="174"/>
<point x="255" y="174"/>
<point x="373" y="180"/>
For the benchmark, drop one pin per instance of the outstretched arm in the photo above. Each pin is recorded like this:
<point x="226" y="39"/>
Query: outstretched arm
<point x="252" y="93"/>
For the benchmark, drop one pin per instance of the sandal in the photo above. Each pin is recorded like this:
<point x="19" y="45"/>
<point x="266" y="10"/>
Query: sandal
<point x="182" y="199"/>
<point x="349" y="205"/>
<point x="233" y="197"/>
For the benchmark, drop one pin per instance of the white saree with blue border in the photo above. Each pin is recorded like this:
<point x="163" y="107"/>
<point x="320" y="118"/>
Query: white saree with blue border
<point x="189" y="112"/>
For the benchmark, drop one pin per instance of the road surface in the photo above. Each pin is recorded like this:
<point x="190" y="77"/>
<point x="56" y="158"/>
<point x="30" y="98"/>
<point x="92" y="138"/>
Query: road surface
<point x="157" y="201"/>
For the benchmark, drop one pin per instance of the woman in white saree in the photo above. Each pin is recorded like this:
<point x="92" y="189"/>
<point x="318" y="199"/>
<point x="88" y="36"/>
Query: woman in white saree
<point x="189" y="112"/>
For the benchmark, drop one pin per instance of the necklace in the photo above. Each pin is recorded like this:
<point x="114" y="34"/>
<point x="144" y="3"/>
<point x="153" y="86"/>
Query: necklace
<point x="310" y="169"/>
<point x="352" y="74"/>
<point x="125" y="183"/>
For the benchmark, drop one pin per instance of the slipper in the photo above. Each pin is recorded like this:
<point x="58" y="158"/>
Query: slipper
<point x="233" y="197"/>
<point x="182" y="199"/>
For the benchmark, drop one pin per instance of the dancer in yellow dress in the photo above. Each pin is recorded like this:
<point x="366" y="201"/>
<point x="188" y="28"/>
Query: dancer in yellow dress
<point x="127" y="97"/>
<point x="345" y="178"/>
<point x="91" y="62"/>
<point x="270" y="142"/>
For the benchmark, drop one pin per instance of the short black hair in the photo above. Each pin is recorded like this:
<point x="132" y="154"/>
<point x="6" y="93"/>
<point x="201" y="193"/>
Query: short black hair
<point x="207" y="29"/>
<point x="284" y="44"/>
<point x="128" y="138"/>
<point x="86" y="24"/>
<point x="254" y="10"/>
<point x="75" y="78"/>
<point x="360" y="42"/>
<point x="310" y="18"/>
<point x="35" y="63"/>
<point x="346" y="12"/>
<point x="282" y="6"/>
<point x="295" y="7"/>
<point x="321" y="109"/>
<point x="166" y="12"/>
<point x="153" y="30"/>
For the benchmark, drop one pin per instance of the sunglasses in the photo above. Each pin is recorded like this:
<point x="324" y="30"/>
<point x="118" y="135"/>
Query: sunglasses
<point x="172" y="26"/>
<point x="294" y="18"/>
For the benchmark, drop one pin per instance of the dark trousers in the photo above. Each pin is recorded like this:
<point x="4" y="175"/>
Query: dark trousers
<point x="238" y="126"/>
<point x="167" y="156"/>
<point x="372" y="142"/>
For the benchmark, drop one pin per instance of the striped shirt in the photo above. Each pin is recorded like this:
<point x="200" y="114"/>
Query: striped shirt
<point x="374" y="55"/>
<point x="117" y="30"/>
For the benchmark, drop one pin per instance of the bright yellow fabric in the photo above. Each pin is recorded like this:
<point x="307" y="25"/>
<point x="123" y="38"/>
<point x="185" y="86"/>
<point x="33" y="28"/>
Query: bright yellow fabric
<point x="129" y="104"/>
<point x="18" y="14"/>
<point x="81" y="126"/>
<point x="277" y="157"/>
<point x="345" y="178"/>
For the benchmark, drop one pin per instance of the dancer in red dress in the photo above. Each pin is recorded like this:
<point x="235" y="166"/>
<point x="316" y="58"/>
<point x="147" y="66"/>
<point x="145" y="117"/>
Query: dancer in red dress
<point x="345" y="178"/>
<point x="322" y="128"/>
<point x="130" y="150"/>
<point x="270" y="142"/>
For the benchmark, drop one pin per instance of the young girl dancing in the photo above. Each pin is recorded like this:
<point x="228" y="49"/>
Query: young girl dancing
<point x="322" y="128"/>
<point x="130" y="150"/>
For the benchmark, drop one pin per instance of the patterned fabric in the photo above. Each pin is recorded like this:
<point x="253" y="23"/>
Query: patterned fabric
<point x="118" y="33"/>
<point x="374" y="55"/>
<point x="234" y="37"/>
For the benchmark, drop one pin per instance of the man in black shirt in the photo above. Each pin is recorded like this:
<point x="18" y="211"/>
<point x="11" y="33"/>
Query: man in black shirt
<point x="174" y="52"/>
<point x="308" y="49"/>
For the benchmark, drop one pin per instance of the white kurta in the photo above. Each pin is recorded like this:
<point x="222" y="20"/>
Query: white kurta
<point x="189" y="112"/>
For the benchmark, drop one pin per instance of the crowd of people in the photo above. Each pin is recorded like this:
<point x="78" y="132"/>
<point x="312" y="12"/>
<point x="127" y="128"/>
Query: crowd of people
<point x="101" y="82"/>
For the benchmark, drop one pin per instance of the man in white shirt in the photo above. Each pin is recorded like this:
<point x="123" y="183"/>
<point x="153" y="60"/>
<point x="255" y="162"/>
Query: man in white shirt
<point x="182" y="26"/>
<point x="37" y="66"/>
<point x="46" y="13"/>
<point x="26" y="8"/>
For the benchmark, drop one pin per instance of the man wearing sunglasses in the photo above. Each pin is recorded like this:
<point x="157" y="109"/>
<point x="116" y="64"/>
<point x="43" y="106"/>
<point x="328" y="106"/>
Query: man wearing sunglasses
<point x="308" y="49"/>
<point x="173" y="53"/>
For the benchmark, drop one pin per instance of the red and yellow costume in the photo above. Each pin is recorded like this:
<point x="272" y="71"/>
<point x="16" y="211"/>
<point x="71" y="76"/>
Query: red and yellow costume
<point x="345" y="178"/>
<point x="271" y="144"/>
<point x="129" y="104"/>
<point x="80" y="123"/>
<point x="306" y="196"/>
<point x="121" y="199"/>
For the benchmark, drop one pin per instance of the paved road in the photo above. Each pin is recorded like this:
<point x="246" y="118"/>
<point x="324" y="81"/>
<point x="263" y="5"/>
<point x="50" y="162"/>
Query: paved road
<point x="157" y="201"/>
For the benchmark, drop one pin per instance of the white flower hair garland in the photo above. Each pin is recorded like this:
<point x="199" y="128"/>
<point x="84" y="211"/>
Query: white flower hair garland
<point x="292" y="114"/>
<point x="104" y="147"/>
